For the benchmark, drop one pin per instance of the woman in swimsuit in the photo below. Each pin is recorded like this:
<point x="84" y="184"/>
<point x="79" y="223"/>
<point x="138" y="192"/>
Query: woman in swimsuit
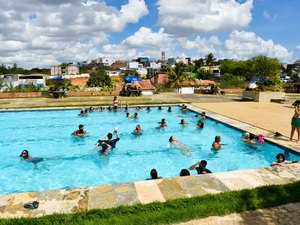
<point x="296" y="122"/>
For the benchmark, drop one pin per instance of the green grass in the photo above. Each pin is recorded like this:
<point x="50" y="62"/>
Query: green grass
<point x="178" y="210"/>
<point x="4" y="103"/>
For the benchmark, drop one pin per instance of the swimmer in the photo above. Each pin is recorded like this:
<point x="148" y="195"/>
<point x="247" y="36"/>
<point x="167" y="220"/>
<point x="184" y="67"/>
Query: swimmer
<point x="154" y="175"/>
<point x="115" y="108"/>
<point x="109" y="108"/>
<point x="91" y="109"/>
<point x="184" y="172"/>
<point x="183" y="122"/>
<point x="136" y="115"/>
<point x="163" y="124"/>
<point x="128" y="115"/>
<point x="105" y="148"/>
<point x="83" y="113"/>
<point x="148" y="108"/>
<point x="182" y="147"/>
<point x="80" y="132"/>
<point x="25" y="155"/>
<point x="109" y="141"/>
<point x="281" y="160"/>
<point x="200" y="124"/>
<point x="216" y="144"/>
<point x="203" y="114"/>
<point x="247" y="138"/>
<point x="169" y="109"/>
<point x="138" y="108"/>
<point x="159" y="108"/>
<point x="184" y="108"/>
<point x="100" y="109"/>
<point x="200" y="167"/>
<point x="137" y="130"/>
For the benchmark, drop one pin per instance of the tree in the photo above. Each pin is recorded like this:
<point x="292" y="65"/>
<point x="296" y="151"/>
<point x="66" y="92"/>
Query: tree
<point x="210" y="59"/>
<point x="99" y="79"/>
<point x="178" y="74"/>
<point x="295" y="73"/>
<point x="264" y="67"/>
<point x="198" y="63"/>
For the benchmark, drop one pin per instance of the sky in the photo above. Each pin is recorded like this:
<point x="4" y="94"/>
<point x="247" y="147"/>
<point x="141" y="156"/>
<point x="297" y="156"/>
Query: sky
<point x="43" y="33"/>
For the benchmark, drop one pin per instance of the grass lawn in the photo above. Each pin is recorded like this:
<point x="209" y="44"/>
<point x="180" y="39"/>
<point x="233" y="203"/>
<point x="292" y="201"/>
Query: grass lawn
<point x="179" y="210"/>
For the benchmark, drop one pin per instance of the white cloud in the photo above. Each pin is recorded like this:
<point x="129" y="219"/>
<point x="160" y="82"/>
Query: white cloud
<point x="298" y="47"/>
<point x="202" y="45"/>
<point x="242" y="45"/>
<point x="143" y="42"/>
<point x="191" y="17"/>
<point x="267" y="15"/>
<point x="50" y="30"/>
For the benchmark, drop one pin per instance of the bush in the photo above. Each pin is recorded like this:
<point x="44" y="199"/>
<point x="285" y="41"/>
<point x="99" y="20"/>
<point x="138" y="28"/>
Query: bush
<point x="230" y="81"/>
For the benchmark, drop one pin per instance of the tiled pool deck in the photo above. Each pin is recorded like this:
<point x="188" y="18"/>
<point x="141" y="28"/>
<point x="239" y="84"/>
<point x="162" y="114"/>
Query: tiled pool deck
<point x="107" y="196"/>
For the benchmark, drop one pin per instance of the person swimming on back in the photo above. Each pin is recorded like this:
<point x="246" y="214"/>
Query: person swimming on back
<point x="182" y="147"/>
<point x="80" y="132"/>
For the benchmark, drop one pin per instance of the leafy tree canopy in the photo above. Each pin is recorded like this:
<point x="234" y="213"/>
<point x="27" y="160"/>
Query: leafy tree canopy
<point x="99" y="79"/>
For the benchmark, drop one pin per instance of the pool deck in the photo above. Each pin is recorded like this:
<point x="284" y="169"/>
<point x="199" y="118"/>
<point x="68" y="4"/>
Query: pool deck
<point x="267" y="118"/>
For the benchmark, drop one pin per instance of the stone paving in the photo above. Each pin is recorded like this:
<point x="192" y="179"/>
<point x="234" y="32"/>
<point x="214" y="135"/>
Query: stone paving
<point x="83" y="198"/>
<point x="288" y="214"/>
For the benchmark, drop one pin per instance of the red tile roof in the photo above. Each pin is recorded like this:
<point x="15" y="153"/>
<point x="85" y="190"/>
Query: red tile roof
<point x="146" y="85"/>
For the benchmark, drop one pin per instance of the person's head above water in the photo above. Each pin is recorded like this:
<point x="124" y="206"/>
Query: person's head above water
<point x="153" y="174"/>
<point x="24" y="154"/>
<point x="280" y="157"/>
<point x="184" y="172"/>
<point x="80" y="126"/>
<point x="109" y="135"/>
<point x="171" y="139"/>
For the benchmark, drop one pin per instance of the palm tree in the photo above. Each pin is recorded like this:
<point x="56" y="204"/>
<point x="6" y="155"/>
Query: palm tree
<point x="295" y="73"/>
<point x="210" y="59"/>
<point x="178" y="74"/>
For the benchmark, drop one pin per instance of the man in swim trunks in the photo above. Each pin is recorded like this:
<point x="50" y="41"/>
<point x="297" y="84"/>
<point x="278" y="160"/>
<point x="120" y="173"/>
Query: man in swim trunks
<point x="80" y="132"/>
<point x="296" y="122"/>
<point x="216" y="144"/>
<point x="281" y="160"/>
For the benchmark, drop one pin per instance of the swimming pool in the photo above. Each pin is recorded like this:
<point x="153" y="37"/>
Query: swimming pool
<point x="71" y="162"/>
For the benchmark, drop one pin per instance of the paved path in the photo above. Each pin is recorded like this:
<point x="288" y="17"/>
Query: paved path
<point x="282" y="215"/>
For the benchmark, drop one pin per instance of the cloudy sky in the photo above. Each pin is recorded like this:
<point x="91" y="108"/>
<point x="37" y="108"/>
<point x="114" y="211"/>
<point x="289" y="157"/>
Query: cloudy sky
<point x="41" y="33"/>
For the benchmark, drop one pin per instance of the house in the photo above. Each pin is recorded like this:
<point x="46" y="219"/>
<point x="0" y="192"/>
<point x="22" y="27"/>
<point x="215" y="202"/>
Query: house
<point x="147" y="87"/>
<point x="190" y="86"/>
<point x="65" y="70"/>
<point x="159" y="78"/>
<point x="15" y="80"/>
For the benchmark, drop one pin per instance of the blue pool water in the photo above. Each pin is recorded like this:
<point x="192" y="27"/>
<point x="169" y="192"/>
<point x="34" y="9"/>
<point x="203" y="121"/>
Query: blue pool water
<point x="72" y="162"/>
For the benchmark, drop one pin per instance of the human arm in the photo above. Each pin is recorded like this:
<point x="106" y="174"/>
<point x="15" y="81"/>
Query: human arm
<point x="192" y="167"/>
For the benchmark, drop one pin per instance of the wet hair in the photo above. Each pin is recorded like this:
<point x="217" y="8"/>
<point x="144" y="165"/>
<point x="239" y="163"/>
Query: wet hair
<point x="24" y="151"/>
<point x="200" y="124"/>
<point x="80" y="126"/>
<point x="171" y="139"/>
<point x="136" y="114"/>
<point x="182" y="120"/>
<point x="153" y="174"/>
<point x="203" y="163"/>
<point x="217" y="138"/>
<point x="282" y="155"/>
<point x="115" y="107"/>
<point x="203" y="113"/>
<point x="148" y="108"/>
<point x="159" y="108"/>
<point x="169" y="109"/>
<point x="184" y="172"/>
<point x="109" y="135"/>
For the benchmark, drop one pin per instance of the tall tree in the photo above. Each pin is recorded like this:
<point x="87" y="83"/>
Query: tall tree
<point x="263" y="66"/>
<point x="210" y="59"/>
<point x="178" y="74"/>
<point x="295" y="73"/>
<point x="198" y="63"/>
<point x="99" y="79"/>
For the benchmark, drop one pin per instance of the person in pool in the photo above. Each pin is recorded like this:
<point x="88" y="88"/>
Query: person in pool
<point x="203" y="115"/>
<point x="154" y="175"/>
<point x="200" y="124"/>
<point x="184" y="172"/>
<point x="216" y="144"/>
<point x="169" y="109"/>
<point x="182" y="147"/>
<point x="247" y="138"/>
<point x="148" y="108"/>
<point x="183" y="122"/>
<point x="109" y="141"/>
<point x="80" y="132"/>
<point x="200" y="167"/>
<point x="137" y="130"/>
<point x="281" y="160"/>
<point x="105" y="148"/>
<point x="25" y="155"/>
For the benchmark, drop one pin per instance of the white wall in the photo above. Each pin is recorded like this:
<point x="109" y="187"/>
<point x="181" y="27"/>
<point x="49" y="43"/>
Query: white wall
<point x="147" y="92"/>
<point x="185" y="90"/>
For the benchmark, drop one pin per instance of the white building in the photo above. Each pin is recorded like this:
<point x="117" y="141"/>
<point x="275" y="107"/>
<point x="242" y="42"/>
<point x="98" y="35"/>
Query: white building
<point x="15" y="80"/>
<point x="104" y="61"/>
<point x="64" y="70"/>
